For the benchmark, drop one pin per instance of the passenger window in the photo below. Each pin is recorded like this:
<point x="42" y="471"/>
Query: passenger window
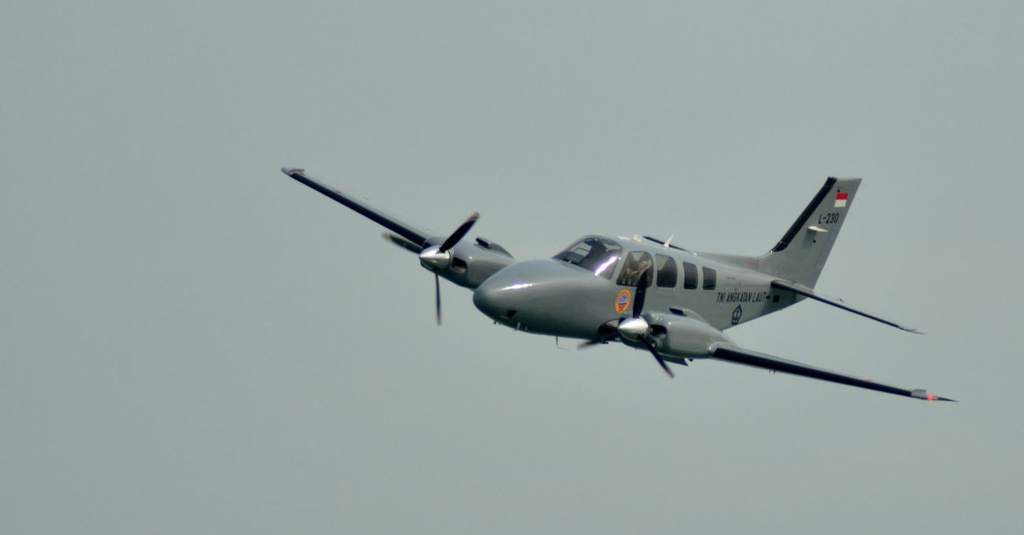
<point x="636" y="263"/>
<point x="710" y="279"/>
<point x="689" y="276"/>
<point x="667" y="271"/>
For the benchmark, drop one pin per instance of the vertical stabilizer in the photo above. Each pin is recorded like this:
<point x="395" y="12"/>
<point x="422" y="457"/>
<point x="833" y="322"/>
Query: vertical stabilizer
<point x="801" y="253"/>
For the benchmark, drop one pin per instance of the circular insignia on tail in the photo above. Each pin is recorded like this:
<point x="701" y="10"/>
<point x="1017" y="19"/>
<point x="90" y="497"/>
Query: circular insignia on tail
<point x="622" y="301"/>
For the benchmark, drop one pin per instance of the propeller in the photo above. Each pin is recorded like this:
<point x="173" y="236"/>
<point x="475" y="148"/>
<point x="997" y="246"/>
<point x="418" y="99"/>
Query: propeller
<point x="437" y="297"/>
<point x="437" y="258"/>
<point x="637" y="329"/>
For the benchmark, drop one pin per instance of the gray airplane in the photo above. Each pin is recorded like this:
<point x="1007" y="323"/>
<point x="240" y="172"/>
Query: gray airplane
<point x="645" y="293"/>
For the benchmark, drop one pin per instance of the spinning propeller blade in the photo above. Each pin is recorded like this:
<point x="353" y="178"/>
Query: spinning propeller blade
<point x="650" y="346"/>
<point x="637" y="328"/>
<point x="638" y="308"/>
<point x="437" y="259"/>
<point x="641" y="293"/>
<point x="634" y="329"/>
<point x="459" y="232"/>
<point x="437" y="297"/>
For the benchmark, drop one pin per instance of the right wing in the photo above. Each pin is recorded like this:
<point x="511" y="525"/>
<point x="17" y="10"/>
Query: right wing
<point x="738" y="355"/>
<point x="410" y="237"/>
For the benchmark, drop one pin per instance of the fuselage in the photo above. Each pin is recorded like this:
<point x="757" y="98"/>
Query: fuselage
<point x="593" y="283"/>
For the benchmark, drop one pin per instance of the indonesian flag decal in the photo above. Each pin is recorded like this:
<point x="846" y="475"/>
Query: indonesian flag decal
<point x="841" y="199"/>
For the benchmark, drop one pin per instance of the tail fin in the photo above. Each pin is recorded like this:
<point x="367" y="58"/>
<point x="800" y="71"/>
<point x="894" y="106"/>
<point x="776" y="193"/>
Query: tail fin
<point x="801" y="253"/>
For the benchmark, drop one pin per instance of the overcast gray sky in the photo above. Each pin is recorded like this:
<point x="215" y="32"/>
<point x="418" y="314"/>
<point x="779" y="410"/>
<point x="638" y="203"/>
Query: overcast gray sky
<point x="190" y="342"/>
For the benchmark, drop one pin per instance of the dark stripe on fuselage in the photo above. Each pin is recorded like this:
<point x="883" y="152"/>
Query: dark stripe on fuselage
<point x="804" y="216"/>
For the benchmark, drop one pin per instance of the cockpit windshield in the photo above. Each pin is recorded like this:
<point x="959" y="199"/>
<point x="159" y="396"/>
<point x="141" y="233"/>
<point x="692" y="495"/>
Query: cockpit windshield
<point x="593" y="253"/>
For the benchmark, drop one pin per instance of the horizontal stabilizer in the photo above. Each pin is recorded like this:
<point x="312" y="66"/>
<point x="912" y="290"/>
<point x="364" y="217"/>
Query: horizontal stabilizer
<point x="739" y="355"/>
<point x="810" y="293"/>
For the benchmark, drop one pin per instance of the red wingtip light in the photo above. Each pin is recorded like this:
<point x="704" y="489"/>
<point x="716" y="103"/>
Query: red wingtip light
<point x="930" y="398"/>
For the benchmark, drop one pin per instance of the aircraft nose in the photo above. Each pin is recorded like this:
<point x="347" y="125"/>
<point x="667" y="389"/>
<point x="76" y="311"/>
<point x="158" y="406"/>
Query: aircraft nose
<point x="499" y="299"/>
<point x="519" y="293"/>
<point x="546" y="296"/>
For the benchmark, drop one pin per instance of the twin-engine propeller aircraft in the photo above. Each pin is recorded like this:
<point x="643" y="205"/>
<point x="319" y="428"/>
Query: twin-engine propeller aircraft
<point x="645" y="293"/>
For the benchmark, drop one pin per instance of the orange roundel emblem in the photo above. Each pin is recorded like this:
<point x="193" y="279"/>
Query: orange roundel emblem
<point x="622" y="301"/>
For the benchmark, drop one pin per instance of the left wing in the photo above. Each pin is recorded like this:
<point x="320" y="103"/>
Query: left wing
<point x="411" y="237"/>
<point x="738" y="355"/>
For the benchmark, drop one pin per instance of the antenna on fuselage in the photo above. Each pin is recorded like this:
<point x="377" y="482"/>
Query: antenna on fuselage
<point x="667" y="244"/>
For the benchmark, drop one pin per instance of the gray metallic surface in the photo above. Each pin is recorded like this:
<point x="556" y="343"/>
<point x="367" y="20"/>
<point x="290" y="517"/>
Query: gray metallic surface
<point x="548" y="297"/>
<point x="593" y="289"/>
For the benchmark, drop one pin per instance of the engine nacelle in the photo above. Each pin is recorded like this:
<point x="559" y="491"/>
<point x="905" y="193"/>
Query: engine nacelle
<point x="685" y="336"/>
<point x="473" y="263"/>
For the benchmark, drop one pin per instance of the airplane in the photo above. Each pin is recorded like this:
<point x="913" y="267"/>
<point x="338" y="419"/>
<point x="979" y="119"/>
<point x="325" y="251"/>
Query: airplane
<point x="643" y="292"/>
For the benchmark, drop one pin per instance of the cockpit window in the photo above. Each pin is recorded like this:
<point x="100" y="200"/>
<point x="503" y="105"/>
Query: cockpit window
<point x="636" y="263"/>
<point x="599" y="255"/>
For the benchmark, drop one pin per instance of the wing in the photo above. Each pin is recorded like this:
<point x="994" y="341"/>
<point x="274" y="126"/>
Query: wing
<point x="739" y="355"/>
<point x="410" y="237"/>
<point x="809" y="293"/>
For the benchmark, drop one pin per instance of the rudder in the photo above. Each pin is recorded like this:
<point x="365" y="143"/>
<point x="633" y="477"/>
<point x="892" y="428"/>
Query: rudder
<point x="801" y="253"/>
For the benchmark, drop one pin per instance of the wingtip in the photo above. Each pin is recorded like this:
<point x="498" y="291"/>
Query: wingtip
<point x="925" y="396"/>
<point x="292" y="171"/>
